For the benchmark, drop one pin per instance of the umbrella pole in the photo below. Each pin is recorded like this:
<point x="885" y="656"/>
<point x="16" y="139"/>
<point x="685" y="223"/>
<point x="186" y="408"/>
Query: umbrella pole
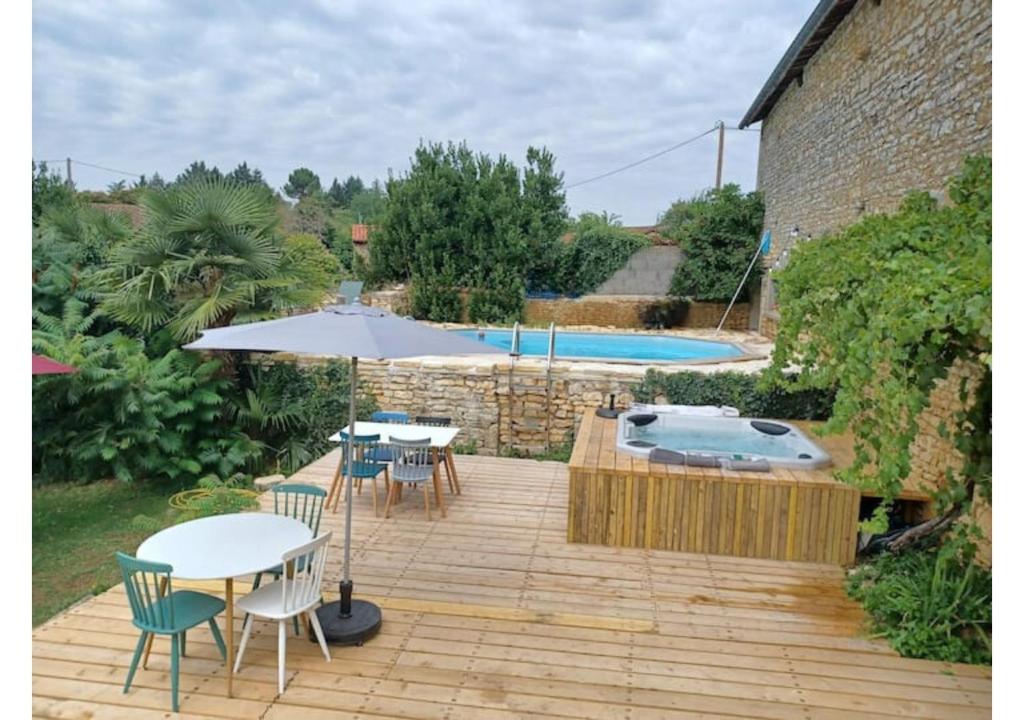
<point x="351" y="622"/>
<point x="346" y="576"/>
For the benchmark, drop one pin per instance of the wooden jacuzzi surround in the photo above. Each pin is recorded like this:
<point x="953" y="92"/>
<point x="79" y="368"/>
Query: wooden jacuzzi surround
<point x="621" y="500"/>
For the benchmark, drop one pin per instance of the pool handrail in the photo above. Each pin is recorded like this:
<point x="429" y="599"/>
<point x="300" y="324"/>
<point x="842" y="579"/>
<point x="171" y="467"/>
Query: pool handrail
<point x="551" y="343"/>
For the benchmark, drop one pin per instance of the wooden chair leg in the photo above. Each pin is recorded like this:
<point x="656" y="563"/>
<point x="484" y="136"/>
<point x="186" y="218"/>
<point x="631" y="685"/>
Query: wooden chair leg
<point x="391" y="495"/>
<point x="453" y="476"/>
<point x="183" y="643"/>
<point x="375" y="513"/>
<point x="335" y="491"/>
<point x="426" y="500"/>
<point x="135" y="660"/>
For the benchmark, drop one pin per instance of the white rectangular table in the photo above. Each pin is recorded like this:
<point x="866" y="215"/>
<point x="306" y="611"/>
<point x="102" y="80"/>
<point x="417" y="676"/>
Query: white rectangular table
<point x="441" y="438"/>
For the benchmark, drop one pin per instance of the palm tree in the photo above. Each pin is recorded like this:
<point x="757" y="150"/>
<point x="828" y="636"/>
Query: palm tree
<point x="208" y="253"/>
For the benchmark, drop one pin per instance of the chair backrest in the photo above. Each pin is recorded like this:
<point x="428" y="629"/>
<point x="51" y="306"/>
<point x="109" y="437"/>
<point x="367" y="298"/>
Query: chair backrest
<point x="301" y="502"/>
<point x="142" y="583"/>
<point x="303" y="587"/>
<point x="364" y="448"/>
<point x="413" y="459"/>
<point x="390" y="416"/>
<point x="433" y="420"/>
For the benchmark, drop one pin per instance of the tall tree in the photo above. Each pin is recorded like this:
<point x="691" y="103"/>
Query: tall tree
<point x="368" y="205"/>
<point x="545" y="215"/>
<point x="335" y="194"/>
<point x="718" y="232"/>
<point x="302" y="183"/>
<point x="198" y="172"/>
<point x="48" y="190"/>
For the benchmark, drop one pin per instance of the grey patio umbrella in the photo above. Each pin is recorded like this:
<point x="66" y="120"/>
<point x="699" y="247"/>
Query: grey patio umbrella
<point x="353" y="331"/>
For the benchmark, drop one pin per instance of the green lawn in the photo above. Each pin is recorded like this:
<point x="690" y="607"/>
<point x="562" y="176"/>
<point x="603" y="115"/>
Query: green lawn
<point x="75" y="531"/>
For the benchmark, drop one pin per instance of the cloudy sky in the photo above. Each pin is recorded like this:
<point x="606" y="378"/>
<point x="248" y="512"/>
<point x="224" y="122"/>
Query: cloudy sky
<point x="351" y="87"/>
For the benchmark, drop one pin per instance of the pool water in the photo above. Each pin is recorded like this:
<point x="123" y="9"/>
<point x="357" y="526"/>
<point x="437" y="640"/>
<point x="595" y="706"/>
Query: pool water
<point x="632" y="346"/>
<point x="729" y="437"/>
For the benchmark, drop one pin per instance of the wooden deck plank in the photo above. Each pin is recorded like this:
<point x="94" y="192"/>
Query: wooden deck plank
<point x="491" y="614"/>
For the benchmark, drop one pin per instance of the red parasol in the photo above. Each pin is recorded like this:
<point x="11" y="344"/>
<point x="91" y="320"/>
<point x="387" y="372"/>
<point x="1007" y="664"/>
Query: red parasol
<point x="42" y="365"/>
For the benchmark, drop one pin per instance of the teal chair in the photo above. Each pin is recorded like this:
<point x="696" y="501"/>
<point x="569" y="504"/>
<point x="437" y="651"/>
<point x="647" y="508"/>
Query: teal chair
<point x="390" y="416"/>
<point x="385" y="453"/>
<point x="299" y="502"/>
<point x="159" y="610"/>
<point x="368" y="461"/>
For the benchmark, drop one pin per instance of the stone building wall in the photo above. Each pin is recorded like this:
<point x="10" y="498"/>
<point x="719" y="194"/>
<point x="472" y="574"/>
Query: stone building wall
<point x="891" y="102"/>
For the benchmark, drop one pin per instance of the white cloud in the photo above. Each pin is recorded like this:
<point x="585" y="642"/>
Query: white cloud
<point x="352" y="87"/>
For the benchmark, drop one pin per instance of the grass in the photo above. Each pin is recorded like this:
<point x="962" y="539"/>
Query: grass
<point x="75" y="531"/>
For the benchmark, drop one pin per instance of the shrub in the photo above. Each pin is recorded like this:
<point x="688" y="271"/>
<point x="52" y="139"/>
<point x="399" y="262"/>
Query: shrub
<point x="599" y="248"/>
<point x="932" y="603"/>
<point x="743" y="392"/>
<point x="126" y="415"/>
<point x="503" y="304"/>
<point x="293" y="409"/>
<point x="718" y="232"/>
<point x="314" y="269"/>
<point x="435" y="300"/>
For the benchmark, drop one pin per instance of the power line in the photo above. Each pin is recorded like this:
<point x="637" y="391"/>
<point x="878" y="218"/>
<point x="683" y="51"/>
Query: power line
<point x="641" y="161"/>
<point x="100" y="167"/>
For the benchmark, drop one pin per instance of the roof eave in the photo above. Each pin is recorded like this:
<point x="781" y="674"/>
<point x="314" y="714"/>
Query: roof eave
<point x="818" y="27"/>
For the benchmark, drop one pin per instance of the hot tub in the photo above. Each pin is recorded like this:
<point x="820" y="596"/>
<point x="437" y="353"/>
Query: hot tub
<point x="731" y="442"/>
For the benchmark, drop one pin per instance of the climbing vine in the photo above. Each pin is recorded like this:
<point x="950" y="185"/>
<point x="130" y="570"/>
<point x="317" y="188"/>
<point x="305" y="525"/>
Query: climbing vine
<point x="882" y="311"/>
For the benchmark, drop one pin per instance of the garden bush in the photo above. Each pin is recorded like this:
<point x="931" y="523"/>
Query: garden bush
<point x="129" y="416"/>
<point x="293" y="409"/>
<point x="435" y="300"/>
<point x="718" y="233"/>
<point x="503" y="304"/>
<point x="745" y="392"/>
<point x="600" y="246"/>
<point x="882" y="310"/>
<point x="931" y="603"/>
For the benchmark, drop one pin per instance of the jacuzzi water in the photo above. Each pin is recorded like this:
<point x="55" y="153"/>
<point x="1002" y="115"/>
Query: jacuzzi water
<point x="621" y="346"/>
<point x="733" y="438"/>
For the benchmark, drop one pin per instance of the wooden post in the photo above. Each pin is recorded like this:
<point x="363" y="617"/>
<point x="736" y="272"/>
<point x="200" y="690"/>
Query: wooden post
<point x="721" y="150"/>
<point x="70" y="184"/>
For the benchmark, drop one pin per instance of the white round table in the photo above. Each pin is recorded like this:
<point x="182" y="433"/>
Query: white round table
<point x="224" y="547"/>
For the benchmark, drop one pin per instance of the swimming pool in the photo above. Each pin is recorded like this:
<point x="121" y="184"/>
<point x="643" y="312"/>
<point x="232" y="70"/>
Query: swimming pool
<point x="612" y="346"/>
<point x="736" y="442"/>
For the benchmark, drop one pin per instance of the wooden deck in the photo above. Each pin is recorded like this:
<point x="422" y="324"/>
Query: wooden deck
<point x="491" y="614"/>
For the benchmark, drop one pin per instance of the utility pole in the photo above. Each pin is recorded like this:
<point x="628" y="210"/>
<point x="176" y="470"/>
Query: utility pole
<point x="721" y="150"/>
<point x="69" y="182"/>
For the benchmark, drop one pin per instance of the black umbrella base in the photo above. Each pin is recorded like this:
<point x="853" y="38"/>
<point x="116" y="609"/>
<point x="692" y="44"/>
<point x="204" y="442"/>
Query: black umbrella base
<point x="359" y="626"/>
<point x="347" y="621"/>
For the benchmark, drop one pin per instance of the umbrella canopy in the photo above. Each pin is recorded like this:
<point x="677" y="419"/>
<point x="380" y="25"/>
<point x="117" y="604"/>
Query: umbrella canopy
<point x="342" y="330"/>
<point x="42" y="365"/>
<point x="353" y="331"/>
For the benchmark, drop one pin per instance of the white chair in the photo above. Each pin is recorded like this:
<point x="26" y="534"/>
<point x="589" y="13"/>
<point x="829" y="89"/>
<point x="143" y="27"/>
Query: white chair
<point x="289" y="597"/>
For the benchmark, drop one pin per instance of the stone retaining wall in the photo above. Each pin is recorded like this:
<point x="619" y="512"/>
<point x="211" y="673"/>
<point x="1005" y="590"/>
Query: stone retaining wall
<point x="620" y="311"/>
